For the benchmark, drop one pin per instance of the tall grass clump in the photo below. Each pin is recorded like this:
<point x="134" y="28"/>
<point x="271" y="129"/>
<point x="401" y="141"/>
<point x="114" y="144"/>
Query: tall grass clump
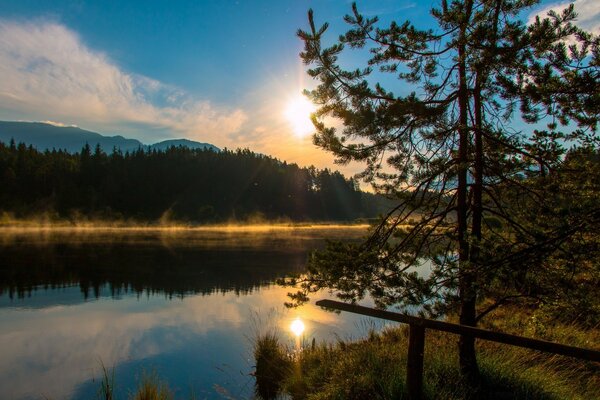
<point x="150" y="387"/>
<point x="273" y="365"/>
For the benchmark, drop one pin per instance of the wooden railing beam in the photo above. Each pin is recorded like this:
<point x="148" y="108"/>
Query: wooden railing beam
<point x="514" y="340"/>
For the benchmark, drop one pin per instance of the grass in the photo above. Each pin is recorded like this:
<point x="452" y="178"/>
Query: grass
<point x="273" y="365"/>
<point x="375" y="367"/>
<point x="150" y="387"/>
<point x="107" y="385"/>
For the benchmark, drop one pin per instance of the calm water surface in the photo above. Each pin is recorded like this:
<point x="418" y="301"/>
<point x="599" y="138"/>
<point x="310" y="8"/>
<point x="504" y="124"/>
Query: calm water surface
<point x="184" y="304"/>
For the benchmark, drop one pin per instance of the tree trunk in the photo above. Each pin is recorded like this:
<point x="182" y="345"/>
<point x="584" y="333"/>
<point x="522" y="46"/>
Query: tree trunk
<point x="468" y="316"/>
<point x="467" y="291"/>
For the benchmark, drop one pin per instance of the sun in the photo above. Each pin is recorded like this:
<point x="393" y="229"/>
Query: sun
<point x="298" y="113"/>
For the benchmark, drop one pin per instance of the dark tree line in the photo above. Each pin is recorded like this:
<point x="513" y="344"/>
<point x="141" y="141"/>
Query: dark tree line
<point x="179" y="183"/>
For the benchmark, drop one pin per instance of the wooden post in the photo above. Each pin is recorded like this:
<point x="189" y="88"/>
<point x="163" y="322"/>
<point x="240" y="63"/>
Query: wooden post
<point x="414" y="365"/>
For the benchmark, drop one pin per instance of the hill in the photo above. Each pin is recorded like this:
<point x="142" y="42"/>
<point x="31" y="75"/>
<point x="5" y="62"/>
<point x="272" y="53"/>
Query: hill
<point x="44" y="136"/>
<point x="190" y="144"/>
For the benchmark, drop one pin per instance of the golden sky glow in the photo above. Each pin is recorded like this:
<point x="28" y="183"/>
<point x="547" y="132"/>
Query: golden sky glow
<point x="97" y="74"/>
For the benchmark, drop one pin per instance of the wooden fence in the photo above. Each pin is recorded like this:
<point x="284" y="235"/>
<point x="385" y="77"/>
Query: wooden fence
<point x="416" y="340"/>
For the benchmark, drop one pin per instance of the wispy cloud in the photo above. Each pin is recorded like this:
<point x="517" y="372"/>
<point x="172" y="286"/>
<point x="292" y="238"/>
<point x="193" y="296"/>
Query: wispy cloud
<point x="47" y="72"/>
<point x="391" y="8"/>
<point x="55" y="123"/>
<point x="588" y="12"/>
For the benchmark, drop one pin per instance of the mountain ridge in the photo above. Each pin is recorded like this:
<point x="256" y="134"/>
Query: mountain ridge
<point x="45" y="136"/>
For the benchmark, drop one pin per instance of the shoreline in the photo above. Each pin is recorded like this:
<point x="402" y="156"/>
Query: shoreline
<point x="103" y="226"/>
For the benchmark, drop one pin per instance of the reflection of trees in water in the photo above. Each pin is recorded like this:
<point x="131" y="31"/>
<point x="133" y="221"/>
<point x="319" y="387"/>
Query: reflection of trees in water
<point x="175" y="270"/>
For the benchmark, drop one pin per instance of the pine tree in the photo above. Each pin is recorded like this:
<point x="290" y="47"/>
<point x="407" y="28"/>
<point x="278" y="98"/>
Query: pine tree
<point x="448" y="153"/>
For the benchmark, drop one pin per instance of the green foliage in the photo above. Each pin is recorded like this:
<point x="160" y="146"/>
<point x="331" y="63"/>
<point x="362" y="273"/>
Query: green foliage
<point x="492" y="215"/>
<point x="554" y="254"/>
<point x="179" y="183"/>
<point x="488" y="211"/>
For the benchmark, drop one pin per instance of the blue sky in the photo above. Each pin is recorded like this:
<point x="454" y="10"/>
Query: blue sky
<point x="214" y="71"/>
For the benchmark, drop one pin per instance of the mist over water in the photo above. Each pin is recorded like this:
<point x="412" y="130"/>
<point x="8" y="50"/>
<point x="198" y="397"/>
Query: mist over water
<point x="185" y="303"/>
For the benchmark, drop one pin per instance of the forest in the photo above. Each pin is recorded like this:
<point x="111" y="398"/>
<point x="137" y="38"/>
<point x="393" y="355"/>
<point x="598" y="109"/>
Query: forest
<point x="178" y="184"/>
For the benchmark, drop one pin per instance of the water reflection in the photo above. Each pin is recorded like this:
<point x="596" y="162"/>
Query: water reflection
<point x="179" y="303"/>
<point x="173" y="262"/>
<point x="297" y="327"/>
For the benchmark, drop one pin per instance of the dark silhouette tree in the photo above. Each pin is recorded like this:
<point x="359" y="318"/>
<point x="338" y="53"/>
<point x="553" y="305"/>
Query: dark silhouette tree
<point x="447" y="151"/>
<point x="186" y="185"/>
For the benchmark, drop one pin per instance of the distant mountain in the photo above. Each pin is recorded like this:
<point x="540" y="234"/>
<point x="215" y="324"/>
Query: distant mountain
<point x="47" y="136"/>
<point x="190" y="144"/>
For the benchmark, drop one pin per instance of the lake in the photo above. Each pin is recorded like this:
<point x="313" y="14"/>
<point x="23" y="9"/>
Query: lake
<point x="184" y="304"/>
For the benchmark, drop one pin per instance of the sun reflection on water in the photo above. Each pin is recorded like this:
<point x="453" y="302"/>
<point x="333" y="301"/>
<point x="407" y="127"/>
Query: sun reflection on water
<point x="297" y="327"/>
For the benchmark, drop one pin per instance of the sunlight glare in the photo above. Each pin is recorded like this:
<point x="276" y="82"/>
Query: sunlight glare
<point x="298" y="114"/>
<point x="297" y="327"/>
